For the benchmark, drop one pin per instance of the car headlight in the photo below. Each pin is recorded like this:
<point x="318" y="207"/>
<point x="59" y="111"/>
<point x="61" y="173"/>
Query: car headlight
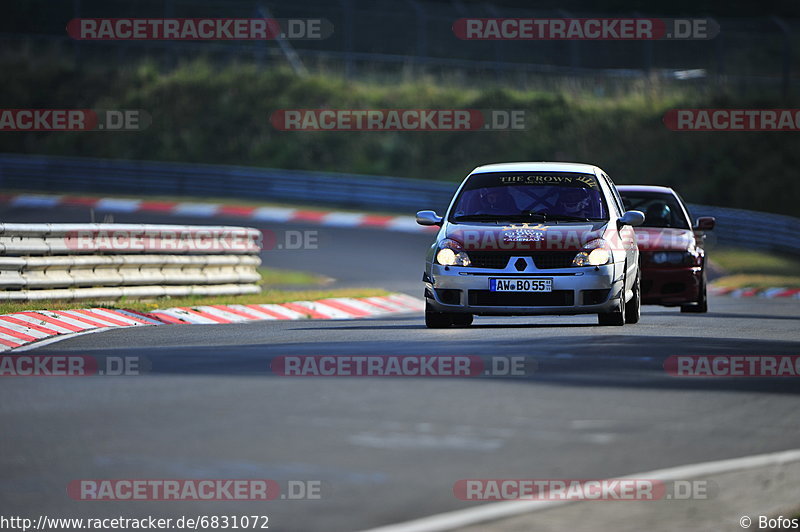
<point x="451" y="253"/>
<point x="595" y="253"/>
<point x="673" y="258"/>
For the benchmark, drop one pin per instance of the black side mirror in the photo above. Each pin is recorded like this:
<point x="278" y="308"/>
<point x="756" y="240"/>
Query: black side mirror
<point x="705" y="223"/>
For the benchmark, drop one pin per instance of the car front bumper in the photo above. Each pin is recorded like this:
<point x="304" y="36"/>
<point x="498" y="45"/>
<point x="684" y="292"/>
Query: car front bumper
<point x="671" y="286"/>
<point x="578" y="290"/>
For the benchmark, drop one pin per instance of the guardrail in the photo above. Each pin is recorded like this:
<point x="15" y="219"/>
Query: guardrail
<point x="735" y="227"/>
<point x="66" y="174"/>
<point x="110" y="261"/>
<point x="751" y="229"/>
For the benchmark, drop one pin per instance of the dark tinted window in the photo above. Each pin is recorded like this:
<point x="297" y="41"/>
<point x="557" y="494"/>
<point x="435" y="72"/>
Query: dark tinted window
<point x="615" y="194"/>
<point x="660" y="210"/>
<point x="519" y="194"/>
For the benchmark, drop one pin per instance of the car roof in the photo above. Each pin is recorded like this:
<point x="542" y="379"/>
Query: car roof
<point x="645" y="188"/>
<point x="541" y="166"/>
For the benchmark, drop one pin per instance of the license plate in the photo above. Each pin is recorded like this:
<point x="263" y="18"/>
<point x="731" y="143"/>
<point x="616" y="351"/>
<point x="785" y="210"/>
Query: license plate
<point x="520" y="285"/>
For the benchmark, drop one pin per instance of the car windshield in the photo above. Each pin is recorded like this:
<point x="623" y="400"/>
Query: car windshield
<point x="536" y="196"/>
<point x="660" y="210"/>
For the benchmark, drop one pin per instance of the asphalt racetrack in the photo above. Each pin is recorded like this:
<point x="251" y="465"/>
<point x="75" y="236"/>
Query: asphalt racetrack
<point x="597" y="402"/>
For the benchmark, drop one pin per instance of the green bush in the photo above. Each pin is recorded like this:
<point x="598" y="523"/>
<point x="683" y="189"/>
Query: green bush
<point x="205" y="114"/>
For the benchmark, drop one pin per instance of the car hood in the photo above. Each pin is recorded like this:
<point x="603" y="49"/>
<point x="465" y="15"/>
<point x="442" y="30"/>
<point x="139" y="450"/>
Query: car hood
<point x="560" y="236"/>
<point x="664" y="238"/>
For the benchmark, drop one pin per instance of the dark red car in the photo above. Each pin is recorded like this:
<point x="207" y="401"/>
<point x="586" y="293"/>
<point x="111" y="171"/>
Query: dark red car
<point x="673" y="261"/>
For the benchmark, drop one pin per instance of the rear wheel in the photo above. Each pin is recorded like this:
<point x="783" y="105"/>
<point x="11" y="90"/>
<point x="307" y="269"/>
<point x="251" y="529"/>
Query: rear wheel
<point x="437" y="320"/>
<point x="633" y="310"/>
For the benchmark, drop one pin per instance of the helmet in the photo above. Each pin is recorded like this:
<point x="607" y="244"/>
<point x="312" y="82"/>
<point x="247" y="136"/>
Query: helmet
<point x="574" y="200"/>
<point x="658" y="214"/>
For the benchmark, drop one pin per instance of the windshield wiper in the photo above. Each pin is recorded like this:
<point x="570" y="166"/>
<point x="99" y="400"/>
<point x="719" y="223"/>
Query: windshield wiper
<point x="569" y="218"/>
<point x="523" y="216"/>
<point x="478" y="218"/>
<point x="534" y="214"/>
<point x="545" y="217"/>
<point x="530" y="215"/>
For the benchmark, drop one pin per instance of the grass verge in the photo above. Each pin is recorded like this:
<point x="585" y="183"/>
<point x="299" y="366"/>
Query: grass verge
<point x="758" y="281"/>
<point x="275" y="277"/>
<point x="267" y="296"/>
<point x="745" y="268"/>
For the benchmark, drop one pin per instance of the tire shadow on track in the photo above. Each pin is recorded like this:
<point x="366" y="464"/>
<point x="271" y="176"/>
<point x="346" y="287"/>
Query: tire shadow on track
<point x="580" y="361"/>
<point x="728" y="315"/>
<point x="473" y="326"/>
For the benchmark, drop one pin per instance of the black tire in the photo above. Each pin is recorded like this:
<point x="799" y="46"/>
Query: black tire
<point x="633" y="310"/>
<point x="437" y="320"/>
<point x="462" y="320"/>
<point x="615" y="317"/>
<point x="701" y="306"/>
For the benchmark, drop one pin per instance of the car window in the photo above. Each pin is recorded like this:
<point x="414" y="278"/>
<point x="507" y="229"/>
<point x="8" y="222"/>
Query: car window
<point x="615" y="193"/>
<point x="513" y="195"/>
<point x="660" y="210"/>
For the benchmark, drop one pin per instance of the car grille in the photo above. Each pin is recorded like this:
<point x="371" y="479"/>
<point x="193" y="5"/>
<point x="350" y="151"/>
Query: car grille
<point x="486" y="298"/>
<point x="488" y="259"/>
<point x="543" y="260"/>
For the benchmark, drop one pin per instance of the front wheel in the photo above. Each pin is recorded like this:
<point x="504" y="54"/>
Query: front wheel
<point x="702" y="300"/>
<point x="633" y="310"/>
<point x="435" y="319"/>
<point x="615" y="317"/>
<point x="462" y="320"/>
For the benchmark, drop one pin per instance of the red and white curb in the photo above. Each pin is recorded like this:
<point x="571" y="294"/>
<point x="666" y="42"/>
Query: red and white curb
<point x="210" y="210"/>
<point x="25" y="328"/>
<point x="769" y="293"/>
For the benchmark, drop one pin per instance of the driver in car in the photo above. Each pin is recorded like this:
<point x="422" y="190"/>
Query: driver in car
<point x="496" y="200"/>
<point x="574" y="202"/>
<point x="658" y="215"/>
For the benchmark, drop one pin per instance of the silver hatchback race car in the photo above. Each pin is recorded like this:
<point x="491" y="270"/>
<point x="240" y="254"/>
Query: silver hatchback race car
<point x="533" y="238"/>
